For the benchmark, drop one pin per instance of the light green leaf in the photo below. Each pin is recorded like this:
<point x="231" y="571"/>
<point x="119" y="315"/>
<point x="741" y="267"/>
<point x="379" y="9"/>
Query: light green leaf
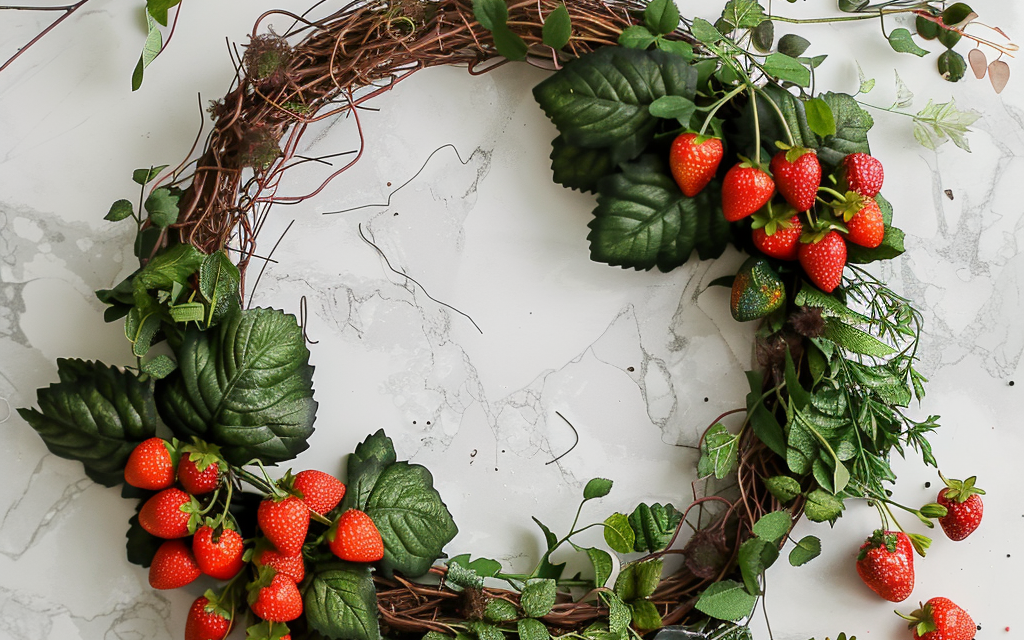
<point x="490" y="14"/>
<point x="538" y="597"/>
<point x="602" y="562"/>
<point x="638" y="580"/>
<point x="597" y="488"/>
<point x="340" y="602"/>
<point x="807" y="549"/>
<point x="937" y="122"/>
<point x="822" y="505"/>
<point x="726" y="600"/>
<point x="866" y="84"/>
<point x="718" y="452"/>
<point x="530" y="629"/>
<point x="784" y="488"/>
<point x="772" y="527"/>
<point x="743" y="14"/>
<point x="902" y="41"/>
<point x="619" y="615"/>
<point x="855" y="340"/>
<point x="820" y="118"/>
<point x="705" y="32"/>
<point x="498" y="610"/>
<point x="119" y="211"/>
<point x="789" y="69"/>
<point x="618" y="534"/>
<point x="162" y="207"/>
<point x="557" y="28"/>
<point x="661" y="16"/>
<point x="645" y="615"/>
<point x="150" y="50"/>
<point x="158" y="9"/>
<point x="188" y="312"/>
<point x="636" y="37"/>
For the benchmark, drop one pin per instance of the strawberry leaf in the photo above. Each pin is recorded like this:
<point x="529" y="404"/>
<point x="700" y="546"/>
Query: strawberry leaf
<point x="638" y="580"/>
<point x="718" y="453"/>
<point x="577" y="167"/>
<point x="726" y="600"/>
<point x="365" y="465"/>
<point x="653" y="526"/>
<point x="340" y="602"/>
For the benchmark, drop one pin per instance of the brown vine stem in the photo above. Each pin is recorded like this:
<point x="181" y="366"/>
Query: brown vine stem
<point x="67" y="9"/>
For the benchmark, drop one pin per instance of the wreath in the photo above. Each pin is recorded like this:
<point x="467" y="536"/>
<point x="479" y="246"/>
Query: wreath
<point x="694" y="136"/>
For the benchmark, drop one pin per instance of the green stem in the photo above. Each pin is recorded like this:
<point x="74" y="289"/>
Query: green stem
<point x="757" y="127"/>
<point x="782" y="119"/>
<point x="833" y="192"/>
<point x="254" y="480"/>
<point x="869" y="16"/>
<point x="718" y="105"/>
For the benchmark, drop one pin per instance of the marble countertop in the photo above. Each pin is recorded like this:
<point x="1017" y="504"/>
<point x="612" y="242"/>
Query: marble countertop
<point x="454" y="187"/>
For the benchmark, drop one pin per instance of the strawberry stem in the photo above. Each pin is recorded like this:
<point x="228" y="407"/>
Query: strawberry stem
<point x="782" y="119"/>
<point x="718" y="105"/>
<point x="757" y="127"/>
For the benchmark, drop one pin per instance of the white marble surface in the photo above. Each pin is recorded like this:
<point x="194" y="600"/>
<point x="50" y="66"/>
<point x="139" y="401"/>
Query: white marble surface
<point x="628" y="357"/>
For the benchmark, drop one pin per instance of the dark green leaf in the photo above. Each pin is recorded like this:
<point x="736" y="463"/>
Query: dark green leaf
<point x="150" y="50"/>
<point x="726" y="600"/>
<point x="411" y="517"/>
<point x="661" y="16"/>
<point x="765" y="426"/>
<point x="601" y="99"/>
<point x="851" y="6"/>
<point x="788" y="69"/>
<point x="579" y="168"/>
<point x="365" y="465"/>
<point x="340" y="602"/>
<point x="902" y="41"/>
<point x="653" y="526"/>
<point x="855" y="340"/>
<point x="538" y="597"/>
<point x="145" y="176"/>
<point x="797" y="394"/>
<point x="949" y="38"/>
<point x="159" y="367"/>
<point x="141" y="545"/>
<point x="743" y="14"/>
<point x="509" y="44"/>
<point x="638" y="580"/>
<point x="763" y="36"/>
<point x="162" y="207"/>
<point x="926" y="28"/>
<point x="956" y="13"/>
<point x="718" y="452"/>
<point x="793" y="45"/>
<point x="158" y="9"/>
<point x="246" y="385"/>
<point x="119" y="211"/>
<point x="490" y="14"/>
<point x="96" y="414"/>
<point x="820" y="118"/>
<point x="822" y="505"/>
<point x="597" y="488"/>
<point x="952" y="65"/>
<point x="636" y="37"/>
<point x="618" y="534"/>
<point x="219" y="281"/>
<point x="645" y="615"/>
<point x="784" y="488"/>
<point x="530" y="629"/>
<point x="755" y="555"/>
<point x="676" y="107"/>
<point x="557" y="28"/>
<point x="602" y="562"/>
<point x="806" y="550"/>
<point x="705" y="32"/>
<point x="549" y="538"/>
<point x="485" y="631"/>
<point x="772" y="527"/>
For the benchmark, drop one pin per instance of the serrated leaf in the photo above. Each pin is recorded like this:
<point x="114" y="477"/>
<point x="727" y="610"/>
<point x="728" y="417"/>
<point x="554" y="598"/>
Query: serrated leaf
<point x="941" y="121"/>
<point x="245" y="385"/>
<point x="579" y="168"/>
<point x="784" y="488"/>
<point x="654" y="526"/>
<point x="807" y="549"/>
<point x="718" y="452"/>
<point x="793" y="45"/>
<point x="602" y="562"/>
<point x="822" y="506"/>
<point x="538" y="597"/>
<point x="618" y="534"/>
<point x="411" y="517"/>
<point x="636" y="37"/>
<point x="459" y="575"/>
<point x="162" y="207"/>
<point x="365" y="464"/>
<point x="820" y="118"/>
<point x="597" y="488"/>
<point x="119" y="211"/>
<point x="557" y="28"/>
<point x="902" y="41"/>
<point x="530" y="629"/>
<point x="96" y="414"/>
<point x="726" y="600"/>
<point x="705" y="32"/>
<point x="638" y="580"/>
<point x="150" y="50"/>
<point x="788" y="69"/>
<point x="340" y="602"/>
<point x="490" y="13"/>
<point x="743" y="14"/>
<point x="661" y="16"/>
<point x="772" y="527"/>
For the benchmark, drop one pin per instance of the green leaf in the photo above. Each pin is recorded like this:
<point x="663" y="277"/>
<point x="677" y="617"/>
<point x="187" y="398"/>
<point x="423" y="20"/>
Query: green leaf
<point x="499" y="610"/>
<point x="557" y="28"/>
<point x="618" y="534"/>
<point x="956" y="13"/>
<point x="755" y="555"/>
<point x="743" y="14"/>
<point x="866" y="84"/>
<point x="158" y="9"/>
<point x="797" y="394"/>
<point x="638" y="580"/>
<point x="549" y="538"/>
<point x="811" y="296"/>
<point x="162" y="207"/>
<point x="340" y="602"/>
<point x="676" y="47"/>
<point x="619" y="615"/>
<point x="579" y="168"/>
<point x="601" y="100"/>
<point x="793" y="45"/>
<point x="643" y="220"/>
<point x="789" y="69"/>
<point x="673" y="107"/>
<point x="159" y="367"/>
<point x="730" y="631"/>
<point x="150" y="50"/>
<point x="822" y="506"/>
<point x="96" y="414"/>
<point x="807" y="549"/>
<point x="188" y="312"/>
<point x="852" y="6"/>
<point x="636" y="37"/>
<point x="726" y="600"/>
<point x="365" y="465"/>
<point x="653" y="526"/>
<point x="763" y="36"/>
<point x="530" y="629"/>
<point x="952" y="65"/>
<point x="143" y="177"/>
<point x="508" y="43"/>
<point x="765" y="426"/>
<point x="490" y="14"/>
<point x="937" y="122"/>
<point x="705" y="32"/>
<point x="485" y="631"/>
<point x="902" y="41"/>
<point x="597" y="488"/>
<point x="119" y="211"/>
<point x="219" y="281"/>
<point x="661" y="16"/>
<point x="471" y="574"/>
<point x="772" y="527"/>
<point x="245" y="385"/>
<point x="784" y="488"/>
<point x="718" y="452"/>
<point x="820" y="118"/>
<point x="926" y="28"/>
<point x="411" y="517"/>
<point x="602" y="562"/>
<point x="645" y="615"/>
<point x="538" y="598"/>
<point x="855" y="340"/>
<point x="141" y="545"/>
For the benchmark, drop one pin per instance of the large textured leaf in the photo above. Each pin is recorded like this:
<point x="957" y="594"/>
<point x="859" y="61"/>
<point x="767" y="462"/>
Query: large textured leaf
<point x="411" y="517"/>
<point x="365" y="465"/>
<point x="579" y="168"/>
<point x="643" y="220"/>
<point x="340" y="602"/>
<point x="600" y="100"/>
<point x="245" y="385"/>
<point x="96" y="414"/>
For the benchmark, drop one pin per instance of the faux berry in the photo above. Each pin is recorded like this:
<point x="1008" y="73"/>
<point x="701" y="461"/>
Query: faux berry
<point x="320" y="491"/>
<point x="206" y="621"/>
<point x="694" y="161"/>
<point x="293" y="566"/>
<point x="823" y="261"/>
<point x="199" y="469"/>
<point x="941" y="619"/>
<point x="275" y="597"/>
<point x="151" y="465"/>
<point x="783" y="242"/>
<point x="862" y="173"/>
<point x="166" y="514"/>
<point x="964" y="507"/>
<point x="866" y="227"/>
<point x="284" y="523"/>
<point x="355" y="538"/>
<point x="797" y="175"/>
<point x="745" y="189"/>
<point x="886" y="564"/>
<point x="219" y="555"/>
<point x="173" y="566"/>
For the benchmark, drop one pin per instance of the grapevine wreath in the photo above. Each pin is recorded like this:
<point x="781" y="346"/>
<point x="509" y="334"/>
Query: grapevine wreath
<point x="693" y="136"/>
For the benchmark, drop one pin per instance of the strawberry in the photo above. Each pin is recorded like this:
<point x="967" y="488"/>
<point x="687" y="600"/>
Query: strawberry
<point x="274" y="596"/>
<point x="151" y="465"/>
<point x="866" y="227"/>
<point x="284" y="522"/>
<point x="862" y="173"/>
<point x="206" y="621"/>
<point x="355" y="538"/>
<point x="886" y="564"/>
<point x="167" y="514"/>
<point x="823" y="260"/>
<point x="320" y="491"/>
<point x="783" y="241"/>
<point x="963" y="507"/>
<point x="292" y="566"/>
<point x="219" y="555"/>
<point x="940" y="619"/>
<point x="199" y="469"/>
<point x="694" y="160"/>
<point x="745" y="189"/>
<point x="173" y="566"/>
<point x="797" y="176"/>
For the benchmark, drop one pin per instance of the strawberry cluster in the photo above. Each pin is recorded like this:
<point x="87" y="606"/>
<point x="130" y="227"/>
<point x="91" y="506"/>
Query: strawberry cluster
<point x="190" y="512"/>
<point x="805" y="227"/>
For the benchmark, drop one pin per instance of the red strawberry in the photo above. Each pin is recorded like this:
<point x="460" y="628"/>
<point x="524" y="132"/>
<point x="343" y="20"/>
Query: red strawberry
<point x="166" y="514"/>
<point x="866" y="227"/>
<point x="355" y="538"/>
<point x="284" y="523"/>
<point x="940" y="619"/>
<point x="886" y="564"/>
<point x="199" y="469"/>
<point x="862" y="173"/>
<point x="274" y="597"/>
<point x="206" y="621"/>
<point x="292" y="566"/>
<point x="151" y="465"/>
<point x="797" y="176"/>
<point x="745" y="190"/>
<point x="694" y="160"/>
<point x="823" y="261"/>
<point x="173" y="566"/>
<point x="963" y="507"/>
<point x="320" y="491"/>
<point x="219" y="558"/>
<point x="784" y="241"/>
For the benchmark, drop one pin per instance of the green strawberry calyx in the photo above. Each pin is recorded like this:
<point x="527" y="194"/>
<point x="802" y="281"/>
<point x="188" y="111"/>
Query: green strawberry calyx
<point x="960" y="491"/>
<point x="702" y="138"/>
<point x="793" y="153"/>
<point x="879" y="539"/>
<point x="267" y="630"/>
<point x="287" y="485"/>
<point x="772" y="220"/>
<point x="922" y="620"/>
<point x="747" y="163"/>
<point x="215" y="604"/>
<point x="264" y="576"/>
<point x="202" y="454"/>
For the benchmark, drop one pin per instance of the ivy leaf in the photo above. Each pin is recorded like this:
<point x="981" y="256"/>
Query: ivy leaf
<point x="705" y="32"/>
<point x="726" y="600"/>
<point x="162" y="207"/>
<point x="788" y="69"/>
<point x="938" y="122"/>
<point x="597" y="488"/>
<point x="645" y="615"/>
<point x="807" y="549"/>
<point x="902" y="41"/>
<point x="636" y="37"/>
<point x="661" y="16"/>
<point x="119" y="211"/>
<point x="618" y="534"/>
<point x="822" y="506"/>
<point x="150" y="50"/>
<point x="530" y="629"/>
<point x="784" y="488"/>
<point x="557" y="28"/>
<point x="246" y="385"/>
<point x="772" y="527"/>
<point x="491" y="14"/>
<point x="743" y="14"/>
<point x="508" y="43"/>
<point x="602" y="562"/>
<point x="411" y="517"/>
<point x="755" y="555"/>
<point x="866" y="84"/>
<point x="341" y="602"/>
<point x="601" y="100"/>
<point x="538" y="597"/>
<point x="793" y="45"/>
<point x="619" y="615"/>
<point x="820" y="118"/>
<point x="143" y="177"/>
<point x="96" y="414"/>
<point x="365" y="465"/>
<point x="718" y="452"/>
<point x="653" y="526"/>
<point x="643" y="220"/>
<point x="638" y="580"/>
